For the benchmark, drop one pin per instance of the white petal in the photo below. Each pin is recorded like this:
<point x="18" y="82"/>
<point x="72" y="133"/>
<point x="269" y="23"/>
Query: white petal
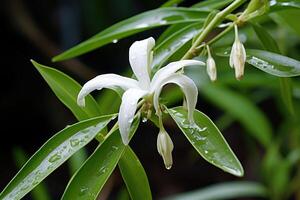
<point x="140" y="58"/>
<point x="111" y="81"/>
<point x="127" y="110"/>
<point x="170" y="69"/>
<point x="188" y="87"/>
<point x="232" y="53"/>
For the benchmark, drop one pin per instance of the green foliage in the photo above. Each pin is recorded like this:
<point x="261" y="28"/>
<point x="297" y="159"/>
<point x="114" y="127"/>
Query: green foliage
<point x="53" y="154"/>
<point x="207" y="140"/>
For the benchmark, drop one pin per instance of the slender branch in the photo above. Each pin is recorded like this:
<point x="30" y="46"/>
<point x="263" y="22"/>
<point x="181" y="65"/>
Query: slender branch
<point x="214" y="22"/>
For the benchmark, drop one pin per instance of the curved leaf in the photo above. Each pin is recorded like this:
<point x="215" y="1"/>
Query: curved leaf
<point x="134" y="176"/>
<point x="249" y="116"/>
<point x="138" y="23"/>
<point x="205" y="5"/>
<point x="272" y="63"/>
<point x="284" y="4"/>
<point x="88" y="181"/>
<point x="265" y="38"/>
<point x="53" y="154"/>
<point x="67" y="89"/>
<point x="221" y="191"/>
<point x="207" y="140"/>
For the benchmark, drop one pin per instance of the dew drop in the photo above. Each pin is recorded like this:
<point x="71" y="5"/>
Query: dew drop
<point x="144" y="119"/>
<point x="115" y="41"/>
<point x="83" y="191"/>
<point x="54" y="158"/>
<point x="163" y="22"/>
<point x="168" y="167"/>
<point x="102" y="170"/>
<point x="142" y="25"/>
<point x="74" y="142"/>
<point x="115" y="147"/>
<point x="205" y="151"/>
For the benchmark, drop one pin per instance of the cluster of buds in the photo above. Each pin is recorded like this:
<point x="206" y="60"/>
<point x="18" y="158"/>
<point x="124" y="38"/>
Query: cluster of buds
<point x="236" y="61"/>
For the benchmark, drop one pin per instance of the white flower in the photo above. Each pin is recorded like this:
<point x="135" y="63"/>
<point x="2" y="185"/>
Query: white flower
<point x="211" y="66"/>
<point x="165" y="147"/>
<point x="237" y="56"/>
<point x="140" y="58"/>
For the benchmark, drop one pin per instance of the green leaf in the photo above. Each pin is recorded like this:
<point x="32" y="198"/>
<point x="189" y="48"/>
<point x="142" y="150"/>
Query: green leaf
<point x="207" y="140"/>
<point x="88" y="181"/>
<point x="286" y="90"/>
<point x="138" y="23"/>
<point x="134" y="175"/>
<point x="265" y="38"/>
<point x="284" y="4"/>
<point x="249" y="116"/>
<point x="173" y="43"/>
<point x="285" y="83"/>
<point x="272" y="63"/>
<point x="221" y="191"/>
<point x="288" y="19"/>
<point x="205" y="5"/>
<point x="40" y="192"/>
<point x="212" y="4"/>
<point x="171" y="3"/>
<point x="67" y="89"/>
<point x="53" y="154"/>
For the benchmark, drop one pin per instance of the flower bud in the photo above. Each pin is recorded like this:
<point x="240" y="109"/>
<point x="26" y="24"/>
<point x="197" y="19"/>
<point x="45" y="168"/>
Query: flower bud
<point x="165" y="147"/>
<point x="211" y="66"/>
<point x="237" y="56"/>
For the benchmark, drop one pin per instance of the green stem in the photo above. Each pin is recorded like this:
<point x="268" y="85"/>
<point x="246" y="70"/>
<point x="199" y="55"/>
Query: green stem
<point x="214" y="22"/>
<point x="220" y="35"/>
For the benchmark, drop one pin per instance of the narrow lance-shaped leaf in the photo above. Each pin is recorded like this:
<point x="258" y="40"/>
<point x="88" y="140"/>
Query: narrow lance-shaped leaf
<point x="88" y="181"/>
<point x="134" y="175"/>
<point x="265" y="38"/>
<point x="40" y="192"/>
<point x="67" y="89"/>
<point x="170" y="45"/>
<point x="138" y="23"/>
<point x="53" y="154"/>
<point x="212" y="4"/>
<point x="221" y="191"/>
<point x="250" y="116"/>
<point x="284" y="4"/>
<point x="272" y="63"/>
<point x="207" y="140"/>
<point x="205" y="5"/>
<point x="285" y="83"/>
